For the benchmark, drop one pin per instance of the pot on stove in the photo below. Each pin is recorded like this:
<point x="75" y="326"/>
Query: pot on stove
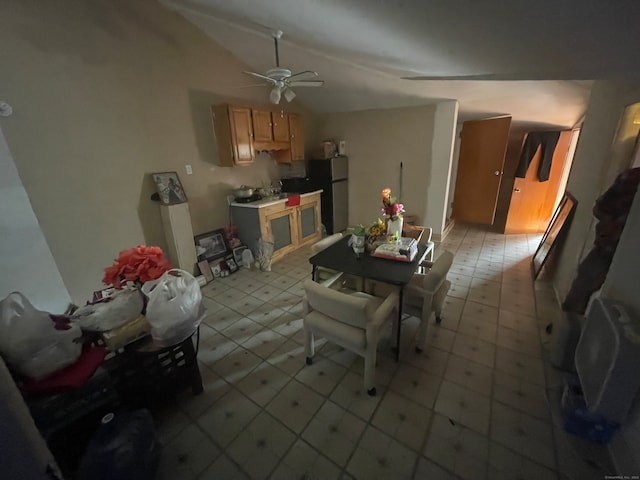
<point x="243" y="192"/>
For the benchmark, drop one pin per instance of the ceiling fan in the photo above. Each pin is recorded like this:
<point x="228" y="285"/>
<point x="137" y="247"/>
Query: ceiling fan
<point x="282" y="79"/>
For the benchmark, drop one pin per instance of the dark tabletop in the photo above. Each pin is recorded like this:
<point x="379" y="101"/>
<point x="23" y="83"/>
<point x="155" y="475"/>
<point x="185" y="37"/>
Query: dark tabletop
<point x="341" y="257"/>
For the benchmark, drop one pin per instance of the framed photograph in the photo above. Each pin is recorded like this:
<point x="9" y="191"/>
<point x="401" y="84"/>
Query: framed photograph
<point x="560" y="220"/>
<point x="231" y="264"/>
<point x="237" y="255"/>
<point x="205" y="270"/>
<point x="216" y="270"/>
<point x="211" y="245"/>
<point x="169" y="188"/>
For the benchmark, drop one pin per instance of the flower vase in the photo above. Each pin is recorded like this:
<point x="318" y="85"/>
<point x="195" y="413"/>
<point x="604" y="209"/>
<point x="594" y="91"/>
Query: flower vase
<point x="394" y="227"/>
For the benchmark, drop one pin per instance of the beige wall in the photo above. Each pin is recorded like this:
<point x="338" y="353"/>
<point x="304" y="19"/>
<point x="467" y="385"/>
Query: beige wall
<point x="104" y="93"/>
<point x="377" y="141"/>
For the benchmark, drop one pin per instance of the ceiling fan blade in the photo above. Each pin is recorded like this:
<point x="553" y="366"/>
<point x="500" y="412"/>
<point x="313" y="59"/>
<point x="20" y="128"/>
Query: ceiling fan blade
<point x="493" y="77"/>
<point x="259" y="75"/>
<point x="255" y="85"/>
<point x="289" y="94"/>
<point x="306" y="83"/>
<point x="305" y="74"/>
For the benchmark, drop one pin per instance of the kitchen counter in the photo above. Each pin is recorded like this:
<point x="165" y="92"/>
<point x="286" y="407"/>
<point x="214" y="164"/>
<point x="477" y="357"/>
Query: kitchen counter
<point x="268" y="201"/>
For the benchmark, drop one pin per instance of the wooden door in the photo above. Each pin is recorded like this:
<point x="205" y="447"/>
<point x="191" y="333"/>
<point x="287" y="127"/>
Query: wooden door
<point x="483" y="144"/>
<point x="280" y="123"/>
<point x="261" y="125"/>
<point x="532" y="202"/>
<point x="297" y="137"/>
<point x="241" y="134"/>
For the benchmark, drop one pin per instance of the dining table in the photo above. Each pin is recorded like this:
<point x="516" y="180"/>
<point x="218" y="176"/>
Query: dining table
<point x="342" y="258"/>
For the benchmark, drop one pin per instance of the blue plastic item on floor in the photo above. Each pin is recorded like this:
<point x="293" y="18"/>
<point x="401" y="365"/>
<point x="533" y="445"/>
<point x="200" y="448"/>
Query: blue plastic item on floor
<point x="579" y="421"/>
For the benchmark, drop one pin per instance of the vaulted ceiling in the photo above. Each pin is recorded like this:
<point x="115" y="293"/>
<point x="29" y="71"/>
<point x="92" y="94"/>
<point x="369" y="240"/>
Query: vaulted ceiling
<point x="532" y="60"/>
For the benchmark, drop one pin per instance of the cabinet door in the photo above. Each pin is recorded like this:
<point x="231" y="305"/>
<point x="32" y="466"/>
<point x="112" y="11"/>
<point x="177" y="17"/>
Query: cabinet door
<point x="280" y="123"/>
<point x="309" y="219"/>
<point x="297" y="137"/>
<point x="261" y="125"/>
<point x="282" y="227"/>
<point x="241" y="134"/>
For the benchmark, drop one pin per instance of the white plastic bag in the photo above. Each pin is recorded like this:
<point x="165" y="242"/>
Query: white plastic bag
<point x="32" y="342"/>
<point x="123" y="306"/>
<point x="174" y="309"/>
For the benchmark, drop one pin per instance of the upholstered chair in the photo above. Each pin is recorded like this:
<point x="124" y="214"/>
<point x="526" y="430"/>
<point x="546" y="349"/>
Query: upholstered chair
<point x="353" y="321"/>
<point x="422" y="235"/>
<point x="332" y="278"/>
<point x="324" y="275"/>
<point x="424" y="295"/>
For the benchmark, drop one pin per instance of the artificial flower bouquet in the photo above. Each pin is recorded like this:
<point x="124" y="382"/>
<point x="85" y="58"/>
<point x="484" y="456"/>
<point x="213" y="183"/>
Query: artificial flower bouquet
<point x="390" y="205"/>
<point x="137" y="265"/>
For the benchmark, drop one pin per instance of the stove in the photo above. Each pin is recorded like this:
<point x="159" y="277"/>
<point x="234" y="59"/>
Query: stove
<point x="253" y="198"/>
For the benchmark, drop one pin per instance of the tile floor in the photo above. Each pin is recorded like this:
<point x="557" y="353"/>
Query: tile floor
<point x="482" y="402"/>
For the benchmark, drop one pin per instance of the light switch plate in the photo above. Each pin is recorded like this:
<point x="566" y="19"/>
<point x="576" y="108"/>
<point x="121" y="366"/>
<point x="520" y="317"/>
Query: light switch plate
<point x="188" y="169"/>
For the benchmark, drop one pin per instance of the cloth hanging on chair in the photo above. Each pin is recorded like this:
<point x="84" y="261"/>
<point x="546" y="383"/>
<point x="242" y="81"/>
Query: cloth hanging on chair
<point x="547" y="141"/>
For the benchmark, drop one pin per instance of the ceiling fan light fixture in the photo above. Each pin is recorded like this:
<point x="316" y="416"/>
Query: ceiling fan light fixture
<point x="275" y="95"/>
<point x="289" y="94"/>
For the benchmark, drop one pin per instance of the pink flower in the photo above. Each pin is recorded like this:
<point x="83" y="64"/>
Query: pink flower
<point x="389" y="205"/>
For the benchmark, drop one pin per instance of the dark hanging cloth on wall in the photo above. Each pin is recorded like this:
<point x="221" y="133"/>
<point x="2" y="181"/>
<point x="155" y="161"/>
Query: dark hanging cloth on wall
<point x="547" y="141"/>
<point x="611" y="209"/>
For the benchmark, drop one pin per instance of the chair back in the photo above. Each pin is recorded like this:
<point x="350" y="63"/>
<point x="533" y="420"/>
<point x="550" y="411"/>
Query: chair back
<point x="420" y="234"/>
<point x="352" y="310"/>
<point x="325" y="242"/>
<point x="438" y="272"/>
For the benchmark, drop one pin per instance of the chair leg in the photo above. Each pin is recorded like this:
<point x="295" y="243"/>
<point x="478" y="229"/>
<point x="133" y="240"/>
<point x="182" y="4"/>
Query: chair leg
<point x="309" y="347"/>
<point x="421" y="338"/>
<point x="370" y="371"/>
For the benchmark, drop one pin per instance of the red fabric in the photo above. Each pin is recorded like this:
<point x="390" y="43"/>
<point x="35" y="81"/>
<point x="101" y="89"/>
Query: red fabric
<point x="293" y="200"/>
<point x="73" y="376"/>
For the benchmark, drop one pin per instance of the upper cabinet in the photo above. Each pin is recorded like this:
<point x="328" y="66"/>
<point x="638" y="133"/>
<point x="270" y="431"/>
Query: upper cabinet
<point x="241" y="131"/>
<point x="295" y="146"/>
<point x="234" y="134"/>
<point x="297" y="137"/>
<point x="270" y="130"/>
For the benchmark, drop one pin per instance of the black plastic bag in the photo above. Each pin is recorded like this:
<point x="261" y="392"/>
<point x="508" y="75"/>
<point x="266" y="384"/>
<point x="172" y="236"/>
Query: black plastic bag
<point x="124" y="447"/>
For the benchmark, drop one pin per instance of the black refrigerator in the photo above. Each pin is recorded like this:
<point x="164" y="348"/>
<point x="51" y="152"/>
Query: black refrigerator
<point x="332" y="176"/>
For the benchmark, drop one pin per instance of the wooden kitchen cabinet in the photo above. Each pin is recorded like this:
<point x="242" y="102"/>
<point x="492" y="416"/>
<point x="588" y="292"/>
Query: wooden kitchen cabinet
<point x="288" y="227"/>
<point x="233" y="128"/>
<point x="295" y="146"/>
<point x="282" y="227"/>
<point x="262" y="125"/>
<point x="296" y="133"/>
<point x="270" y="130"/>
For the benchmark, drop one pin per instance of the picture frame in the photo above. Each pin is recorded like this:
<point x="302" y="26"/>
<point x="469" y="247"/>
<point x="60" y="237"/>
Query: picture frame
<point x="237" y="255"/>
<point x="555" y="230"/>
<point x="211" y="245"/>
<point x="169" y="188"/>
<point x="216" y="270"/>
<point x="233" y="267"/>
<point x="205" y="270"/>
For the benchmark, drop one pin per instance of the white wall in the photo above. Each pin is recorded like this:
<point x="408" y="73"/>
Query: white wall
<point x="378" y="140"/>
<point x="105" y="93"/>
<point x="26" y="262"/>
<point x="454" y="169"/>
<point x="438" y="181"/>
